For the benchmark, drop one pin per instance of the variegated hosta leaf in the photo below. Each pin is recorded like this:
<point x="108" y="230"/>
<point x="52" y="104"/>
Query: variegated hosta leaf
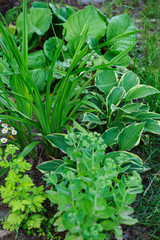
<point x="135" y="107"/>
<point x="131" y="160"/>
<point x="110" y="136"/>
<point x="90" y="117"/>
<point x="152" y="126"/>
<point x="130" y="136"/>
<point x="106" y="80"/>
<point x="140" y="91"/>
<point x="129" y="80"/>
<point x="114" y="97"/>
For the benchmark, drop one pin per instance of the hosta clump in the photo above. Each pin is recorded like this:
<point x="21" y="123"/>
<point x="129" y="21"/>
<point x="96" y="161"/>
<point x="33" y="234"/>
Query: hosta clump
<point x="119" y="110"/>
<point x="94" y="195"/>
<point x="21" y="195"/>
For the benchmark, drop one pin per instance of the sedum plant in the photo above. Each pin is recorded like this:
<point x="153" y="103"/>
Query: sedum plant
<point x="93" y="195"/>
<point x="20" y="194"/>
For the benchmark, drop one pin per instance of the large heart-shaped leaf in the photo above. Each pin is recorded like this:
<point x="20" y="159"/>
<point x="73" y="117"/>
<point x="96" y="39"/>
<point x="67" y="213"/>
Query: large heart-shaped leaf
<point x="84" y="20"/>
<point x="120" y="25"/>
<point x="130" y="136"/>
<point x="106" y="80"/>
<point x="63" y="13"/>
<point x="140" y="91"/>
<point x="39" y="21"/>
<point x="50" y="46"/>
<point x="124" y="61"/>
<point x="129" y="80"/>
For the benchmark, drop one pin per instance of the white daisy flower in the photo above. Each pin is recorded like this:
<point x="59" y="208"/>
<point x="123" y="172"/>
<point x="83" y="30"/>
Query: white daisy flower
<point x="4" y="125"/>
<point x="11" y="128"/>
<point x="4" y="130"/>
<point x="0" y="121"/>
<point x="3" y="140"/>
<point x="14" y="132"/>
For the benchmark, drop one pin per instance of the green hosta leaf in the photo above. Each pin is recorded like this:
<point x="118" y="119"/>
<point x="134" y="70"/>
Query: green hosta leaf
<point x="72" y="45"/>
<point x="114" y="97"/>
<point x="140" y="91"/>
<point x="59" y="141"/>
<point x="130" y="136"/>
<point x="90" y="117"/>
<point x="40" y="77"/>
<point x="152" y="126"/>
<point x="106" y="80"/>
<point x="37" y="60"/>
<point x="124" y="61"/>
<point x="120" y="25"/>
<point x="41" y="19"/>
<point x="124" y="159"/>
<point x="39" y="5"/>
<point x="50" y="46"/>
<point x="110" y="136"/>
<point x="12" y="14"/>
<point x="63" y="13"/>
<point x="50" y="165"/>
<point x="85" y="20"/>
<point x="129" y="80"/>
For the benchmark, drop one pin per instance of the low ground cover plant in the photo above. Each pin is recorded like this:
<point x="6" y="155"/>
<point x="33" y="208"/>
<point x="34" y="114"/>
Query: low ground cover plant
<point x="19" y="192"/>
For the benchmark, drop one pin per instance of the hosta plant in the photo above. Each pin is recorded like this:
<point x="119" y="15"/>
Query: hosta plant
<point x="120" y="110"/>
<point x="93" y="194"/>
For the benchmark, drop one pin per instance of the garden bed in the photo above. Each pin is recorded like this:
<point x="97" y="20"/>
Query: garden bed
<point x="140" y="230"/>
